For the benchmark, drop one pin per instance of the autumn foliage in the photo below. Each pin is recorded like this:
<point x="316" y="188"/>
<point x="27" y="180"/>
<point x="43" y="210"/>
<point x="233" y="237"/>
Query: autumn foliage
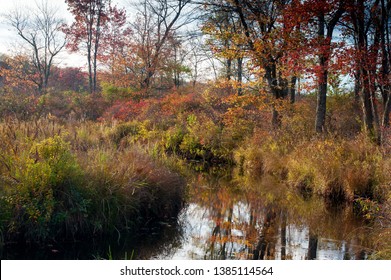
<point x="295" y="90"/>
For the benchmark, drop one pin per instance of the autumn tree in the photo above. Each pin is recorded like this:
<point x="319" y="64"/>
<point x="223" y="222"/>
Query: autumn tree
<point x="223" y="28"/>
<point x="369" y="24"/>
<point x="383" y="24"/>
<point x="117" y="48"/>
<point x="69" y="79"/>
<point x="175" y="67"/>
<point x="18" y="74"/>
<point x="267" y="42"/>
<point x="88" y="30"/>
<point x="40" y="30"/>
<point x="18" y="84"/>
<point x="327" y="13"/>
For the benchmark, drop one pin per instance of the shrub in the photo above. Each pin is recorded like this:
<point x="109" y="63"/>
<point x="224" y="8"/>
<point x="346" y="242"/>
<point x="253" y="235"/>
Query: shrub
<point x="47" y="195"/>
<point x="123" y="130"/>
<point x="128" y="188"/>
<point x="262" y="154"/>
<point x="112" y="93"/>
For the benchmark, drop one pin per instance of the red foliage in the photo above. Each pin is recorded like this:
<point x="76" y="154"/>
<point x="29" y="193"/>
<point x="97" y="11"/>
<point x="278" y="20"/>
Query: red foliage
<point x="69" y="78"/>
<point x="169" y="105"/>
<point x="126" y="110"/>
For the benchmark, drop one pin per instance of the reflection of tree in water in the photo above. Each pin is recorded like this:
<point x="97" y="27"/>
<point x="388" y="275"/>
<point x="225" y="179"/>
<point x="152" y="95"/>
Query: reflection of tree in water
<point x="283" y="234"/>
<point x="221" y="234"/>
<point x="268" y="223"/>
<point x="312" y="245"/>
<point x="265" y="248"/>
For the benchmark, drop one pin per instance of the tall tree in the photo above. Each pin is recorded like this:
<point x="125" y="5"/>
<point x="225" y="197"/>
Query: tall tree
<point x="116" y="48"/>
<point x="40" y="29"/>
<point x="223" y="27"/>
<point x="384" y="26"/>
<point x="19" y="75"/>
<point x="91" y="18"/>
<point x="327" y="13"/>
<point x="268" y="41"/>
<point x="370" y="27"/>
<point x="157" y="21"/>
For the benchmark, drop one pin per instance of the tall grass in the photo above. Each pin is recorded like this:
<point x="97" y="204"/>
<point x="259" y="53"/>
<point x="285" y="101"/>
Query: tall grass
<point x="338" y="169"/>
<point x="64" y="181"/>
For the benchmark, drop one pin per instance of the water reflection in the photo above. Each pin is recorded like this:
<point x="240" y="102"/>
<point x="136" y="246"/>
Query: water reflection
<point x="265" y="222"/>
<point x="228" y="218"/>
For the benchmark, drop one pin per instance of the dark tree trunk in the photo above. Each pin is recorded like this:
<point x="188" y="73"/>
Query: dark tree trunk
<point x="321" y="101"/>
<point x="324" y="55"/>
<point x="90" y="80"/>
<point x="229" y="69"/>
<point x="322" y="79"/>
<point x="240" y="75"/>
<point x="292" y="89"/>
<point x="278" y="88"/>
<point x="312" y="246"/>
<point x="366" y="101"/>
<point x="367" y="71"/>
<point x="386" y="56"/>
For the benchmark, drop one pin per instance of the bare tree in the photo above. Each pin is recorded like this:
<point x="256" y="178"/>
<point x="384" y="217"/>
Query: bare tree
<point x="198" y="57"/>
<point x="40" y="29"/>
<point x="157" y="22"/>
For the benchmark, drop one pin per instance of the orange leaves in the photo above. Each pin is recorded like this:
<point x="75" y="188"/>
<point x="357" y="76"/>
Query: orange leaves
<point x="19" y="74"/>
<point x="175" y="103"/>
<point x="168" y="106"/>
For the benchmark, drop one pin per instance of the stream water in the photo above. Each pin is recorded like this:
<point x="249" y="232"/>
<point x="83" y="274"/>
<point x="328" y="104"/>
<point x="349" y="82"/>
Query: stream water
<point x="222" y="221"/>
<point x="267" y="221"/>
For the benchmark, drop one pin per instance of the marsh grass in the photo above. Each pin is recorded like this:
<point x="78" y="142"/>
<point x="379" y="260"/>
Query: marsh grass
<point x="62" y="181"/>
<point x="338" y="169"/>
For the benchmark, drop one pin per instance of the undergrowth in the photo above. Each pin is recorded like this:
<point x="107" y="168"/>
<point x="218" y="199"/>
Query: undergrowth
<point x="67" y="181"/>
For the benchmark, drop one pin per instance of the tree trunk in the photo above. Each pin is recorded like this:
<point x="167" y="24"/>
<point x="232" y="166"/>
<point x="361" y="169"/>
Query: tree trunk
<point x="385" y="69"/>
<point x="387" y="111"/>
<point x="366" y="101"/>
<point x="321" y="100"/>
<point x="277" y="89"/>
<point x="322" y="79"/>
<point x="229" y="69"/>
<point x="90" y="81"/>
<point x="292" y="89"/>
<point x="240" y="75"/>
<point x="324" y="55"/>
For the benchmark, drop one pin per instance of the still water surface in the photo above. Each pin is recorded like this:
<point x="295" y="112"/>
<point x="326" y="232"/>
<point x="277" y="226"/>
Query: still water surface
<point x="267" y="222"/>
<point x="221" y="221"/>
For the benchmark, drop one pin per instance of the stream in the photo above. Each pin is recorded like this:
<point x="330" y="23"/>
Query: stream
<point x="227" y="218"/>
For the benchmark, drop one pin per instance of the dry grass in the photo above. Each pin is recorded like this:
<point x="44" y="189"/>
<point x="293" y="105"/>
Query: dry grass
<point x="103" y="188"/>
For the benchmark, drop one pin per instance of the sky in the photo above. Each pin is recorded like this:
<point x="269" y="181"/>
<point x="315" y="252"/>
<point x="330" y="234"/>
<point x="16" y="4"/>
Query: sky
<point x="9" y="39"/>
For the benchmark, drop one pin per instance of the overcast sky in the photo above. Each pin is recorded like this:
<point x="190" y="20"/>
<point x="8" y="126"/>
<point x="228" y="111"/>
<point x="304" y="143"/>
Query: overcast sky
<point x="9" y="38"/>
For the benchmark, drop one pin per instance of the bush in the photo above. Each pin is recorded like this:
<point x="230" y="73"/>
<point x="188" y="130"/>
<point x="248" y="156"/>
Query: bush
<point x="262" y="154"/>
<point x="47" y="195"/>
<point x="123" y="130"/>
<point x="112" y="93"/>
